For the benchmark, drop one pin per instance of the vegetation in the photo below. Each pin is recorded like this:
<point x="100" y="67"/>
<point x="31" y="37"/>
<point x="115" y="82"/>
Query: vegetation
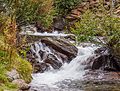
<point x="65" y="6"/>
<point x="30" y="11"/>
<point x="9" y="58"/>
<point x="15" y="13"/>
<point x="101" y="23"/>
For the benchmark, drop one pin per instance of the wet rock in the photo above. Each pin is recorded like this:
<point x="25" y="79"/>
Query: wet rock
<point x="50" y="52"/>
<point x="104" y="60"/>
<point x="63" y="57"/>
<point x="40" y="67"/>
<point x="53" y="61"/>
<point x="61" y="46"/>
<point x="21" y="84"/>
<point x="101" y="77"/>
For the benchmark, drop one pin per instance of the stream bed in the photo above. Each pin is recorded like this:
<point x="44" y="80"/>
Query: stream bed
<point x="69" y="75"/>
<point x="68" y="78"/>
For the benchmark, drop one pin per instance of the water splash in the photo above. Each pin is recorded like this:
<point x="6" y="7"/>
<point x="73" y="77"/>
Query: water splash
<point x="38" y="47"/>
<point x="74" y="70"/>
<point x="45" y="34"/>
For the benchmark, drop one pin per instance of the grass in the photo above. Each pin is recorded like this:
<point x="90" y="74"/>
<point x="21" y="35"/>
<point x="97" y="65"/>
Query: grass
<point x="9" y="58"/>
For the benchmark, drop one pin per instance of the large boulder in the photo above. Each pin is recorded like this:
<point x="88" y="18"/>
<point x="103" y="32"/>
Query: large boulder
<point x="61" y="46"/>
<point x="50" y="53"/>
<point x="104" y="60"/>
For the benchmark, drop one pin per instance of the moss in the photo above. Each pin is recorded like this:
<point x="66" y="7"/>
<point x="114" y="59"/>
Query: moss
<point x="11" y="60"/>
<point x="9" y="87"/>
<point x="25" y="69"/>
<point x="4" y="82"/>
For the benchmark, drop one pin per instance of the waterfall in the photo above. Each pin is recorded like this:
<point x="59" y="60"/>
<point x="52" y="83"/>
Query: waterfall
<point x="73" y="71"/>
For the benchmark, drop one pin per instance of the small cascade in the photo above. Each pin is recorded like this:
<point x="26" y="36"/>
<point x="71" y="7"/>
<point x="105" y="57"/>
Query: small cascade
<point x="45" y="34"/>
<point x="44" y="55"/>
<point x="39" y="49"/>
<point x="67" y="73"/>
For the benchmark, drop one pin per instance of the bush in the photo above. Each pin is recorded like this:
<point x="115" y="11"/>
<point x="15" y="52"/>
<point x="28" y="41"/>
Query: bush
<point x="9" y="58"/>
<point x="30" y="11"/>
<point x="24" y="68"/>
<point x="65" y="6"/>
<point x="92" y="25"/>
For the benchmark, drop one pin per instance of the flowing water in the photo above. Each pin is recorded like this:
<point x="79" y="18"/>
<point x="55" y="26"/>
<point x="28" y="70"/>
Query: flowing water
<point x="69" y="77"/>
<point x="60" y="80"/>
<point x="45" y="34"/>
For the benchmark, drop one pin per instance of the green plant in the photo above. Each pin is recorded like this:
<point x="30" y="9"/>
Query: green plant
<point x="65" y="6"/>
<point x="30" y="11"/>
<point x="24" y="68"/>
<point x="93" y="26"/>
<point x="9" y="58"/>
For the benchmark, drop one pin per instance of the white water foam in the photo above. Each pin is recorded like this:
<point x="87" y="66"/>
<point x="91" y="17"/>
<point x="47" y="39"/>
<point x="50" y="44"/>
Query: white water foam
<point x="45" y="34"/>
<point x="38" y="46"/>
<point x="74" y="70"/>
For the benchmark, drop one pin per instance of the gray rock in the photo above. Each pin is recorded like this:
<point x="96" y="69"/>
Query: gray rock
<point x="59" y="24"/>
<point x="104" y="60"/>
<point x="12" y="75"/>
<point x="50" y="52"/>
<point x="21" y="84"/>
<point x="61" y="46"/>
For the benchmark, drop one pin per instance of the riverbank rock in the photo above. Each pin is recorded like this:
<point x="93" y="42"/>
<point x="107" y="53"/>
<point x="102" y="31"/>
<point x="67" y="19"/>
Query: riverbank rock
<point x="14" y="78"/>
<point x="21" y="84"/>
<point x="104" y="60"/>
<point x="99" y="80"/>
<point x="61" y="46"/>
<point x="13" y="75"/>
<point x="50" y="53"/>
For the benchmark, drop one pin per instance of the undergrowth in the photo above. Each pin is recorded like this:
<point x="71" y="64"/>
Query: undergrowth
<point x="9" y="58"/>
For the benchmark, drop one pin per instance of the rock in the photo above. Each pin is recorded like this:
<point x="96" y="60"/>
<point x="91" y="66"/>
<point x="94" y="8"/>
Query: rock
<point x="61" y="46"/>
<point x="99" y="80"/>
<point x="53" y="61"/>
<point x="21" y="84"/>
<point x="40" y="67"/>
<point x="59" y="24"/>
<point x="104" y="60"/>
<point x="13" y="75"/>
<point x="39" y="26"/>
<point x="50" y="53"/>
<point x="102" y="77"/>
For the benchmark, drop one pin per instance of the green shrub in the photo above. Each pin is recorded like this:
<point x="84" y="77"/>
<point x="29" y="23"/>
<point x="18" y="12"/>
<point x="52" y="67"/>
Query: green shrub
<point x="92" y="25"/>
<point x="24" y="68"/>
<point x="9" y="58"/>
<point x="65" y="6"/>
<point x="30" y="11"/>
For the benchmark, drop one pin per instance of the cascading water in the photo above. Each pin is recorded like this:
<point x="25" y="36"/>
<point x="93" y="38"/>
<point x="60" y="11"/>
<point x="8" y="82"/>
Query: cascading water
<point x="68" y="72"/>
<point x="42" y="52"/>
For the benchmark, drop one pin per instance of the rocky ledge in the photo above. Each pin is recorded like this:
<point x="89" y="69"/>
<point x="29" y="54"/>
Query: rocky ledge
<point x="103" y="71"/>
<point x="104" y="60"/>
<point x="50" y="53"/>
